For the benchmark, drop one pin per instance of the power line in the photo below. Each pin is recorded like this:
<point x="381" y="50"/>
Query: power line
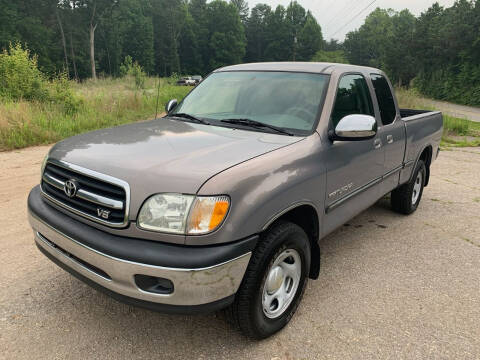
<point x="344" y="8"/>
<point x="365" y="8"/>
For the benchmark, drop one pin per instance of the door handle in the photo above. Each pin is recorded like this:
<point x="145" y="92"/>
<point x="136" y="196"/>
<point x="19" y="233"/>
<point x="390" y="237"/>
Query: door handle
<point x="389" y="139"/>
<point x="377" y="144"/>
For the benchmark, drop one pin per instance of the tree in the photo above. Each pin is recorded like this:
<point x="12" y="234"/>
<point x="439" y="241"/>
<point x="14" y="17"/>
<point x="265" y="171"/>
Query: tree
<point x="191" y="59"/>
<point x="138" y="25"/>
<point x="438" y="52"/>
<point x="226" y="33"/>
<point x="332" y="45"/>
<point x="64" y="42"/>
<point x="368" y="45"/>
<point x="197" y="10"/>
<point x="242" y="8"/>
<point x="278" y="36"/>
<point x="295" y="20"/>
<point x="310" y="39"/>
<point x="400" y="61"/>
<point x="169" y="20"/>
<point x="8" y="20"/>
<point x="336" y="56"/>
<point x="95" y="9"/>
<point x="256" y="29"/>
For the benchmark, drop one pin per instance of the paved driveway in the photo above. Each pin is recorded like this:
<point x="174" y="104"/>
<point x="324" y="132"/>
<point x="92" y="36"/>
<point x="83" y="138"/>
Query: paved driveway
<point x="390" y="287"/>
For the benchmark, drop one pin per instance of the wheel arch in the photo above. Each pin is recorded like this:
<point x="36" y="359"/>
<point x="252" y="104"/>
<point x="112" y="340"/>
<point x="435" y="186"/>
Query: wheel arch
<point x="425" y="155"/>
<point x="305" y="215"/>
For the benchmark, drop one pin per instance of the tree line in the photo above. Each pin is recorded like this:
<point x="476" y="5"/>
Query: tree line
<point x="437" y="52"/>
<point x="89" y="37"/>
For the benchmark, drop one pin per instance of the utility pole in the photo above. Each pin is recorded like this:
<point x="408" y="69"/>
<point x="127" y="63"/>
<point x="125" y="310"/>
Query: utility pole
<point x="295" y="40"/>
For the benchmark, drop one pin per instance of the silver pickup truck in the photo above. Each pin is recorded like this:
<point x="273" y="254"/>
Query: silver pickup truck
<point x="222" y="202"/>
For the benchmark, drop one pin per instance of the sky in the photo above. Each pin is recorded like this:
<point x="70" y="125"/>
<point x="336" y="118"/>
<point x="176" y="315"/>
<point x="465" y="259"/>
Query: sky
<point x="338" y="17"/>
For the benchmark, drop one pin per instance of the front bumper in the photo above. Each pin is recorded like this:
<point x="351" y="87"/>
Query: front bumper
<point x="96" y="257"/>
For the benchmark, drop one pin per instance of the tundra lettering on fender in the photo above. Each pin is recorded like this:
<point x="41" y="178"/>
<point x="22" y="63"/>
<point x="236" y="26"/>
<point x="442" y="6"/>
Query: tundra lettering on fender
<point x="221" y="203"/>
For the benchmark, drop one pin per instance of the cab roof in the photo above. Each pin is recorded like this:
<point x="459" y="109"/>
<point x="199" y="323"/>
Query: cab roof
<point x="311" y="67"/>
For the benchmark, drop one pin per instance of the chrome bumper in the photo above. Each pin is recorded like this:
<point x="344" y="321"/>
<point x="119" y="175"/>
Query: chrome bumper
<point x="191" y="286"/>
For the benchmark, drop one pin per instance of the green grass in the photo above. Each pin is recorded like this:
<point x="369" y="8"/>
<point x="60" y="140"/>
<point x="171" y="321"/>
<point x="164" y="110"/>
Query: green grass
<point x="111" y="102"/>
<point x="105" y="103"/>
<point x="456" y="132"/>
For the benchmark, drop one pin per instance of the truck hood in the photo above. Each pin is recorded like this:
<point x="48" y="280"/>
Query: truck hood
<point x="165" y="155"/>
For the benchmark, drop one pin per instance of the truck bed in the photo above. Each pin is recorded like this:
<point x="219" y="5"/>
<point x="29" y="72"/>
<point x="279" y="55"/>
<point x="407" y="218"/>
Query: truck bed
<point x="423" y="128"/>
<point x="405" y="113"/>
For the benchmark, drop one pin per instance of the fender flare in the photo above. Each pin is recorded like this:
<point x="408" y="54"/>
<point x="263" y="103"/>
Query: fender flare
<point x="427" y="165"/>
<point x="314" y="236"/>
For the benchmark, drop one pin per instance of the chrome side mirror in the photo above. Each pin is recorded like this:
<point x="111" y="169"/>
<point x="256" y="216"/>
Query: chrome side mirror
<point x="354" y="128"/>
<point x="169" y="106"/>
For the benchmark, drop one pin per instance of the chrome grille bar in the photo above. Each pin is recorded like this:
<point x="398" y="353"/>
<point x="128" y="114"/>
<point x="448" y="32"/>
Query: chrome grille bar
<point x="85" y="195"/>
<point x="115" y="193"/>
<point x="53" y="181"/>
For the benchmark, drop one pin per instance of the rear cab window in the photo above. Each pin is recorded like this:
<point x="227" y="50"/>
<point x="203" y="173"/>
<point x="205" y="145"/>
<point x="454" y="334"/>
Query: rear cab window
<point x="384" y="95"/>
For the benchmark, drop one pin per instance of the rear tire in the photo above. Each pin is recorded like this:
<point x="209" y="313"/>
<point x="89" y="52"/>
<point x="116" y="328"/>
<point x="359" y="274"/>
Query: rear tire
<point x="405" y="199"/>
<point x="274" y="282"/>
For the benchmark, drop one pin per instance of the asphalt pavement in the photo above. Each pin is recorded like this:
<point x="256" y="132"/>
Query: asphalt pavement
<point x="391" y="287"/>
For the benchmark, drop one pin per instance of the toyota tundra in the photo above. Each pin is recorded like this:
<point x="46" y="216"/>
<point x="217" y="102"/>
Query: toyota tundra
<point x="221" y="203"/>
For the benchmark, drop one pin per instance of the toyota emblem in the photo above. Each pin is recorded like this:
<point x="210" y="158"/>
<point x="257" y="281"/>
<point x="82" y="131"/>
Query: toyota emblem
<point x="70" y="188"/>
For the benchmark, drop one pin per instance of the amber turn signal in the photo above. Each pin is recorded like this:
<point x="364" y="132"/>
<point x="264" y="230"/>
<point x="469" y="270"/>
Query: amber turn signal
<point x="207" y="214"/>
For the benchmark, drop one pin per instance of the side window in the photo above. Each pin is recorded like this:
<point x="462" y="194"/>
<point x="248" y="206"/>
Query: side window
<point x="384" y="98"/>
<point x="353" y="97"/>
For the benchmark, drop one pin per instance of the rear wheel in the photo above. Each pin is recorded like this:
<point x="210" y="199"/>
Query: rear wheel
<point x="405" y="199"/>
<point x="274" y="282"/>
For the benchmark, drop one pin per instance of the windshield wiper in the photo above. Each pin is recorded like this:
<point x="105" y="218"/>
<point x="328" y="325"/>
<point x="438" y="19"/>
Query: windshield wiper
<point x="190" y="117"/>
<point x="256" y="124"/>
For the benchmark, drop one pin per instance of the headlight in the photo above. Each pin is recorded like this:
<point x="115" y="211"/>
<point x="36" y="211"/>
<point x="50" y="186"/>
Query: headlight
<point x="183" y="214"/>
<point x="165" y="212"/>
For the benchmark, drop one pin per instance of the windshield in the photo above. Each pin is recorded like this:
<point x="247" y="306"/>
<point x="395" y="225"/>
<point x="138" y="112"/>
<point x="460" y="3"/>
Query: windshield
<point x="282" y="99"/>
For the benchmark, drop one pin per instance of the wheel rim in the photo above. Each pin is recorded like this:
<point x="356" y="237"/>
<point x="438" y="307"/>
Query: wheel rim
<point x="417" y="187"/>
<point x="281" y="283"/>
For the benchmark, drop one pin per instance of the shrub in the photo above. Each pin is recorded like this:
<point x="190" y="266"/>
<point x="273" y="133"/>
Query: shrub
<point x="131" y="68"/>
<point x="172" y="80"/>
<point x="20" y="78"/>
<point x="62" y="94"/>
<point x="19" y="75"/>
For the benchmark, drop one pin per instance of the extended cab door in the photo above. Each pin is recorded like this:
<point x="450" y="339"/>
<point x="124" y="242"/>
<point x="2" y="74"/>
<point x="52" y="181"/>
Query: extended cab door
<point x="354" y="168"/>
<point x="391" y="132"/>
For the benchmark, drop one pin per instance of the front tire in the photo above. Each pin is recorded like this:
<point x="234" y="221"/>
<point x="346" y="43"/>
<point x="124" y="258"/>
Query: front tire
<point x="405" y="199"/>
<point x="274" y="282"/>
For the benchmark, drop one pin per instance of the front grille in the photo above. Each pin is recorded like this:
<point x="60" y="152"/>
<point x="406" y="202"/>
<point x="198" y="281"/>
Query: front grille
<point x="95" y="196"/>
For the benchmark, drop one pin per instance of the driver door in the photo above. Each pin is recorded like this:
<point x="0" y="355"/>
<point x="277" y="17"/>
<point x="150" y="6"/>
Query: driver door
<point x="354" y="168"/>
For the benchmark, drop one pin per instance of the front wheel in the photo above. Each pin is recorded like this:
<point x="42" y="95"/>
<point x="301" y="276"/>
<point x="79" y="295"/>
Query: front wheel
<point x="274" y="282"/>
<point x="405" y="199"/>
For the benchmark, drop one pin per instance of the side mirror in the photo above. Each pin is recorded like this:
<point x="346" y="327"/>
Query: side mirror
<point x="354" y="128"/>
<point x="169" y="106"/>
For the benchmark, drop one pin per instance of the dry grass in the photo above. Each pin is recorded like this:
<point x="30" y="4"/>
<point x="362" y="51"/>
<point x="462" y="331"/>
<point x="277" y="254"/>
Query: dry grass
<point x="411" y="99"/>
<point x="106" y="103"/>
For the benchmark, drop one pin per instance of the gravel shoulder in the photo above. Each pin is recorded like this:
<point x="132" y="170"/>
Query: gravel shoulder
<point x="460" y="111"/>
<point x="390" y="287"/>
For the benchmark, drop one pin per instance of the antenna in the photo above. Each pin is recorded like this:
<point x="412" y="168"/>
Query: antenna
<point x="158" y="95"/>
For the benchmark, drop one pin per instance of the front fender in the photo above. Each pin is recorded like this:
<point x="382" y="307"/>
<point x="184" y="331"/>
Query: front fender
<point x="263" y="188"/>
